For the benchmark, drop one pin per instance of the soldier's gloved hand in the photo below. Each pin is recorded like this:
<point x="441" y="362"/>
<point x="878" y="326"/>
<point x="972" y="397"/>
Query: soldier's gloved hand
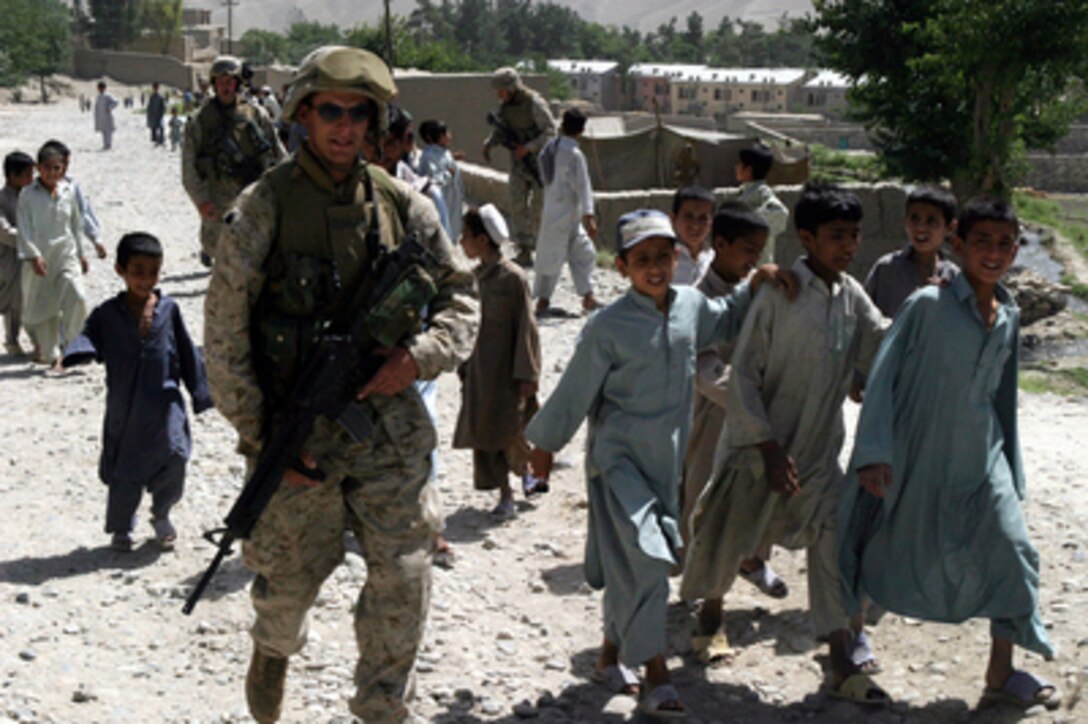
<point x="396" y="374"/>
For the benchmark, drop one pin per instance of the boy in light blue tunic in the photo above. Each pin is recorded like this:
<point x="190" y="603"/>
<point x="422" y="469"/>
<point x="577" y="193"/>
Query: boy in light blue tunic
<point x="931" y="526"/>
<point x="632" y="376"/>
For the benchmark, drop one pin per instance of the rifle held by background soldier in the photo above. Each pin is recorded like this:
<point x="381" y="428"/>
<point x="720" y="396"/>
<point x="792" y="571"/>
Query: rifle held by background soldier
<point x="509" y="139"/>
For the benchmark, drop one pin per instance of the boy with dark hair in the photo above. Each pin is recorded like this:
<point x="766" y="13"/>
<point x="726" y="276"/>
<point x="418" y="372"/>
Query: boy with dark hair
<point x="567" y="224"/>
<point x="142" y="339"/>
<point x="933" y="527"/>
<point x="50" y="242"/>
<point x="692" y="211"/>
<point x="18" y="174"/>
<point x="751" y="172"/>
<point x="930" y="220"/>
<point x="498" y="382"/>
<point x="438" y="162"/>
<point x="779" y="478"/>
<point x="91" y="227"/>
<point x="631" y="376"/>
<point x="739" y="236"/>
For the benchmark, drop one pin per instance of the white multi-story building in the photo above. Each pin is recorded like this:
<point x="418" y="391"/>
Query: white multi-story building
<point x="649" y="85"/>
<point x="824" y="93"/>
<point x="596" y="81"/>
<point x="717" y="92"/>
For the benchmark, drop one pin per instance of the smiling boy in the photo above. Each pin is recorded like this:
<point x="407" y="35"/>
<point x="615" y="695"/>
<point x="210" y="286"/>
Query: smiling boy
<point x="930" y="221"/>
<point x="931" y="524"/>
<point x="778" y="481"/>
<point x="631" y="375"/>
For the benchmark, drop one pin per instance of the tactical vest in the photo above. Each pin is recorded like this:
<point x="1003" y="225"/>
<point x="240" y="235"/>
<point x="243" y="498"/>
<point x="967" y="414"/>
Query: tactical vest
<point x="232" y="146"/>
<point x="518" y="116"/>
<point x="320" y="248"/>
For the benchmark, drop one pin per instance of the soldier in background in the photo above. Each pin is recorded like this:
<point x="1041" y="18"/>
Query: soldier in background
<point x="291" y="254"/>
<point x="526" y="114"/>
<point x="228" y="145"/>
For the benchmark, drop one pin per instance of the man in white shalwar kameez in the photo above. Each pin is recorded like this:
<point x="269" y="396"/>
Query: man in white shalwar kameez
<point x="567" y="226"/>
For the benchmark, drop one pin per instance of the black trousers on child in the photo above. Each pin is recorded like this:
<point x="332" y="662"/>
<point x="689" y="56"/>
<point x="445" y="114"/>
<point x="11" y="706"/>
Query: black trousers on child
<point x="165" y="487"/>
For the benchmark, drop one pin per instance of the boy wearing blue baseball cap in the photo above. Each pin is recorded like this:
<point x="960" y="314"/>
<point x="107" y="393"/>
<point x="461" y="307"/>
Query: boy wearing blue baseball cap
<point x="631" y="375"/>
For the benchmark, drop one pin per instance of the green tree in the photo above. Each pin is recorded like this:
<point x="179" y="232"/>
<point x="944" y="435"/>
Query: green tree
<point x="34" y="41"/>
<point x="114" y="22"/>
<point x="163" y="19"/>
<point x="307" y="36"/>
<point x="264" y="47"/>
<point x="956" y="89"/>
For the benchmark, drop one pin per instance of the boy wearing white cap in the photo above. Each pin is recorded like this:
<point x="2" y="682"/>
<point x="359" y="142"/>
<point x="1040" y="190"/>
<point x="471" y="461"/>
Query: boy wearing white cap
<point x="498" y="391"/>
<point x="632" y="375"/>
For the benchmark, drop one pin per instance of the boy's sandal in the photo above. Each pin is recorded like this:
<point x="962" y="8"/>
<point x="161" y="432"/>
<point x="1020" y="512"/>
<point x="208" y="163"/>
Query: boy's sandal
<point x="766" y="580"/>
<point x="714" y="649"/>
<point x="863" y="657"/>
<point x="618" y="679"/>
<point x="859" y="689"/>
<point x="166" y="536"/>
<point x="121" y="542"/>
<point x="1025" y="690"/>
<point x="662" y="702"/>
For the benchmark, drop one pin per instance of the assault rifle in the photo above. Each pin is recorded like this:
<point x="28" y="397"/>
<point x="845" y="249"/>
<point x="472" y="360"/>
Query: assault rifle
<point x="341" y="364"/>
<point x="509" y="139"/>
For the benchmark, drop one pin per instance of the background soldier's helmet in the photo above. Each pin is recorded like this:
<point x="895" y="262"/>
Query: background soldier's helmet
<point x="338" y="68"/>
<point x="227" y="65"/>
<point x="506" y="78"/>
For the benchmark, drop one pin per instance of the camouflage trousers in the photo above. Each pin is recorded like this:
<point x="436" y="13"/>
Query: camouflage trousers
<point x="526" y="199"/>
<point x="378" y="490"/>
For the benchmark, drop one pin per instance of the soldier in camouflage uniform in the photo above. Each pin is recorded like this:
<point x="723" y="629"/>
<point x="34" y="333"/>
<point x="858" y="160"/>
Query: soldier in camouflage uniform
<point x="290" y="252"/>
<point x="526" y="113"/>
<point x="228" y="145"/>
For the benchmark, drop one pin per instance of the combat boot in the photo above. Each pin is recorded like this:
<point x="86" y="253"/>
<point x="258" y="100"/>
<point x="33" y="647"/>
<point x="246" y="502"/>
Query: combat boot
<point x="264" y="686"/>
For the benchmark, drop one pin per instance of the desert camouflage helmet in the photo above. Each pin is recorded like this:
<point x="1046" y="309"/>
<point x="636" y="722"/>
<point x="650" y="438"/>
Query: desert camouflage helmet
<point x="338" y="68"/>
<point x="226" y="65"/>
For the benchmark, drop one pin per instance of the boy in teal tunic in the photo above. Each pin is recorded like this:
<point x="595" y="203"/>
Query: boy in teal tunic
<point x="632" y="376"/>
<point x="932" y="528"/>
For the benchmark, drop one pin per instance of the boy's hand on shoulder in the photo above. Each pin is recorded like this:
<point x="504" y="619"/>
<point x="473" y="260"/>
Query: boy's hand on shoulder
<point x="780" y="469"/>
<point x="876" y="478"/>
<point x="778" y="277"/>
<point x="540" y="463"/>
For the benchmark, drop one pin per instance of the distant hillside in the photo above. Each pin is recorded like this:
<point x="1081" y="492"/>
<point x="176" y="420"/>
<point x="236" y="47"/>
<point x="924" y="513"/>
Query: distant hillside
<point x="645" y="15"/>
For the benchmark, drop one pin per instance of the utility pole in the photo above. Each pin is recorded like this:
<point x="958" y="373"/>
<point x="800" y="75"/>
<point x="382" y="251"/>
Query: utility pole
<point x="389" y="37"/>
<point x="230" y="5"/>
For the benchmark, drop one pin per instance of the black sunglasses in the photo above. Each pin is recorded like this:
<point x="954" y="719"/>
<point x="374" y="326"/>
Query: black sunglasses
<point x="331" y="112"/>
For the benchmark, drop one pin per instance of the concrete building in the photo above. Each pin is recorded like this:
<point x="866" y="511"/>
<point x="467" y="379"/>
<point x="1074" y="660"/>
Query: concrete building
<point x="649" y="85"/>
<point x="595" y="81"/>
<point x="718" y="92"/>
<point x="824" y="93"/>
